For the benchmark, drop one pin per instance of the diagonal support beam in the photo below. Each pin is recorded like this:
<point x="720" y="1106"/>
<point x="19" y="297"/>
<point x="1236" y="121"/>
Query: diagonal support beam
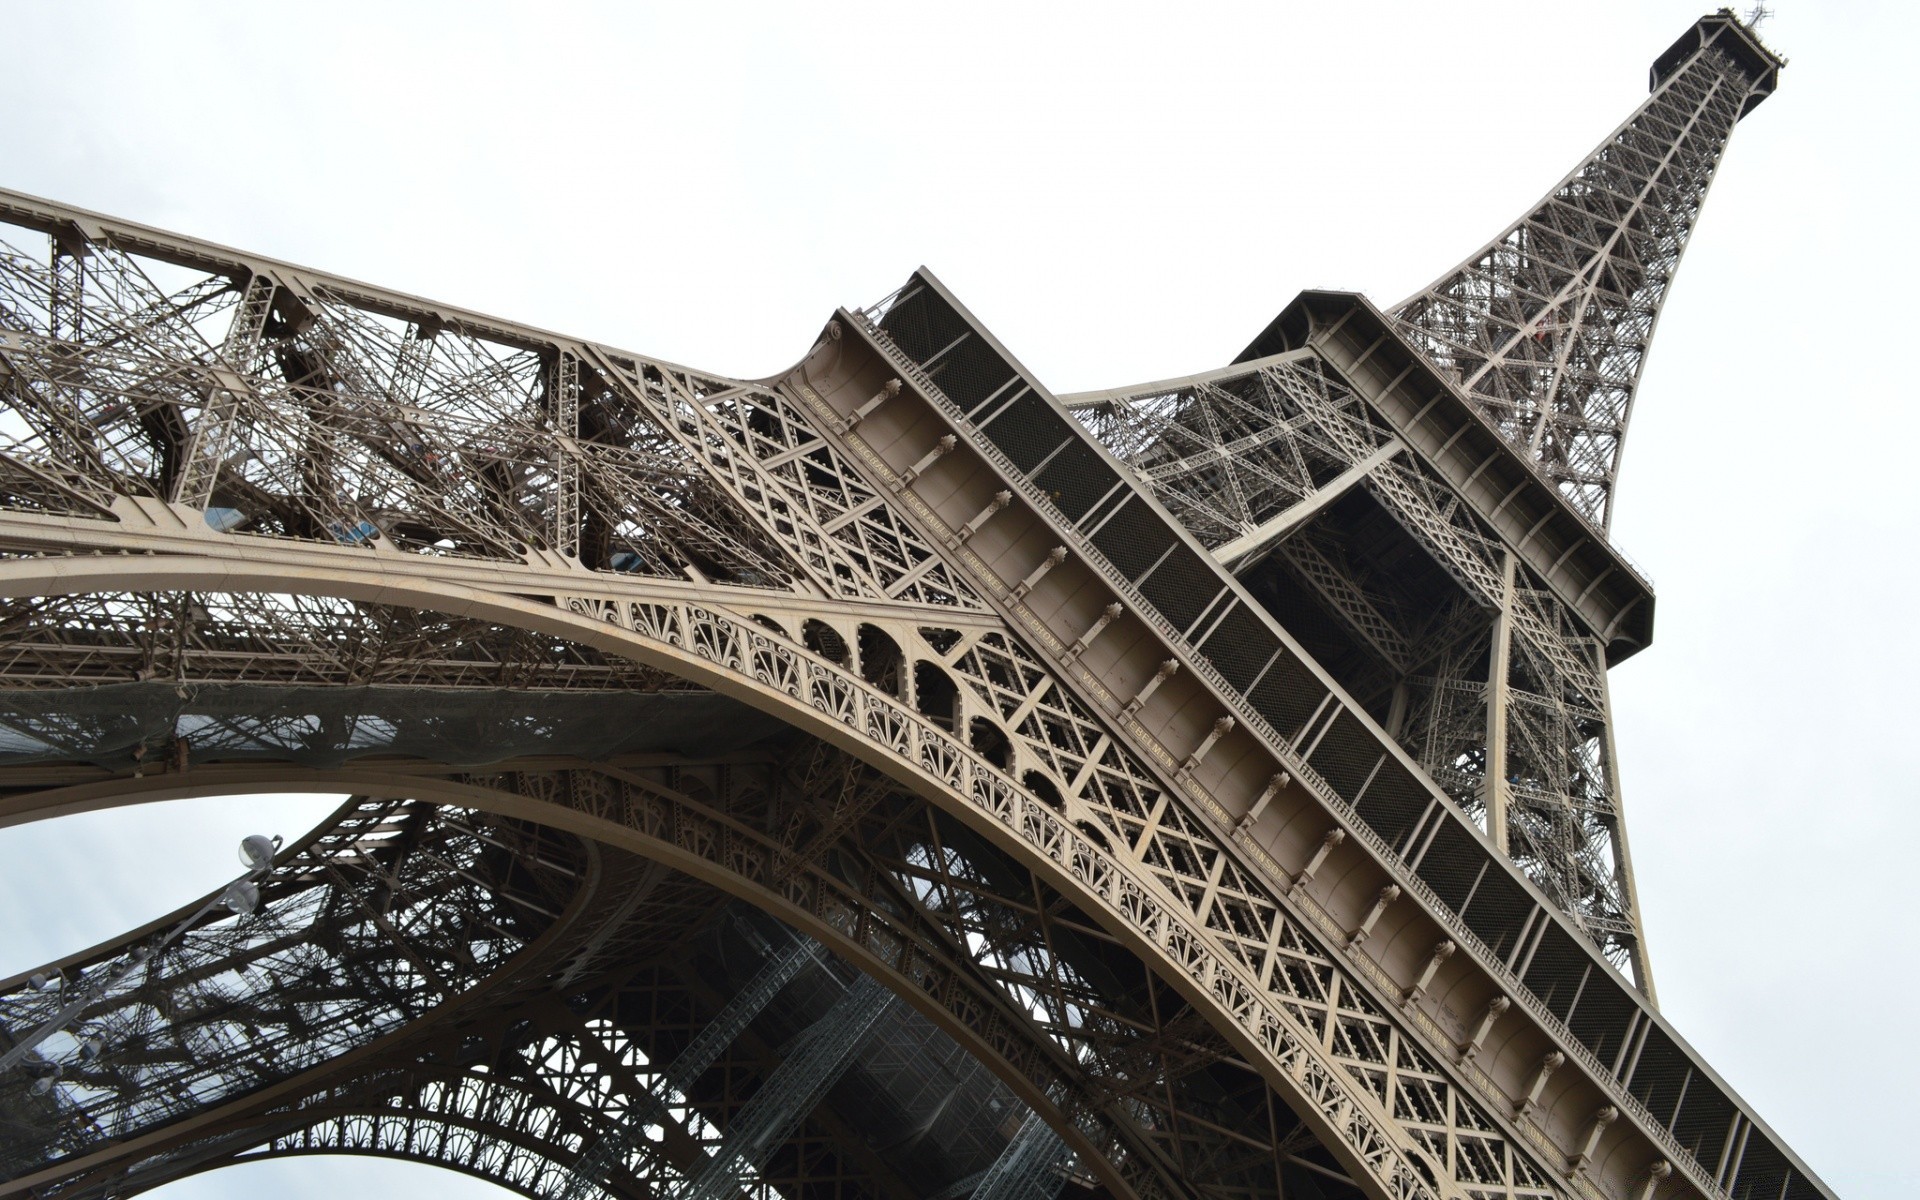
<point x="791" y="1092"/>
<point x="1028" y="1169"/>
<point x="1274" y="529"/>
<point x="689" y="1065"/>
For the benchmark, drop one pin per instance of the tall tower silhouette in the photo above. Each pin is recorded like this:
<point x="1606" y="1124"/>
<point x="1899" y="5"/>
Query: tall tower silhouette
<point x="1544" y="331"/>
<point x="888" y="779"/>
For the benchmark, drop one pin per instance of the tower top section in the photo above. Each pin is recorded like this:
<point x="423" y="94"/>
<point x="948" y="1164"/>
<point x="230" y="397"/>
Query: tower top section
<point x="1546" y="327"/>
<point x="1727" y="33"/>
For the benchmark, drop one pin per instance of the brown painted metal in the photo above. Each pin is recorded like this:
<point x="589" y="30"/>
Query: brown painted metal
<point x="892" y="649"/>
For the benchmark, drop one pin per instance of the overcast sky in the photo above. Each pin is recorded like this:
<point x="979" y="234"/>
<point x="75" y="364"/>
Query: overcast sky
<point x="1126" y="193"/>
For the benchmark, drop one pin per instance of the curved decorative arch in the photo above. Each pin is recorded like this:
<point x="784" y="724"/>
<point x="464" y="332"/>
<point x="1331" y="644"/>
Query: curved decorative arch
<point x="219" y="1013"/>
<point x="482" y="1174"/>
<point x="503" y="1161"/>
<point x="345" y="426"/>
<point x="1257" y="1006"/>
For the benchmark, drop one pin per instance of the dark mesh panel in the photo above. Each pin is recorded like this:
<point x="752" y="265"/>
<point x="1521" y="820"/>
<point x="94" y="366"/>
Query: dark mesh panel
<point x="1452" y="863"/>
<point x="1394" y="801"/>
<point x="924" y="325"/>
<point x="1763" y="1169"/>
<point x="1500" y="907"/>
<point x="1344" y="760"/>
<point x="1134" y="538"/>
<point x="1076" y="479"/>
<point x="1287" y="695"/>
<point x="1557" y="966"/>
<point x="1028" y="430"/>
<point x="1240" y="645"/>
<point x="1801" y="1188"/>
<point x="912" y="322"/>
<point x="1661" y="1073"/>
<point x="1182" y="586"/>
<point x="1601" y="1018"/>
<point x="1704" y="1118"/>
<point x="970" y="372"/>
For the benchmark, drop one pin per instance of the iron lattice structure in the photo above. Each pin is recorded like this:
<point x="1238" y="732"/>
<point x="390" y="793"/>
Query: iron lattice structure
<point x="1547" y="326"/>
<point x="872" y="781"/>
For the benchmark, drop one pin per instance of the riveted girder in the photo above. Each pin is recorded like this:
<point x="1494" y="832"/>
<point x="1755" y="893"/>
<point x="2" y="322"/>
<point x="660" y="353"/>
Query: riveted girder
<point x="887" y="648"/>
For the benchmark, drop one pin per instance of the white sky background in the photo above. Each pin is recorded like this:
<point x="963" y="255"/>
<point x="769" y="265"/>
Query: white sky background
<point x="1125" y="194"/>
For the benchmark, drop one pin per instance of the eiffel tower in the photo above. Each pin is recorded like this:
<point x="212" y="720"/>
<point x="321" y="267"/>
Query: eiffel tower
<point x="887" y="779"/>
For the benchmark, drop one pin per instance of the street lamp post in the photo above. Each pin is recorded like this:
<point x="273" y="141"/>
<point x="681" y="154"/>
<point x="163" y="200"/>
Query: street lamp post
<point x="240" y="897"/>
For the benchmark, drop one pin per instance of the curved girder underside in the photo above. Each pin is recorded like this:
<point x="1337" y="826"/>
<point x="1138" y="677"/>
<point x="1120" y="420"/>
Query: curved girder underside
<point x="1031" y="955"/>
<point x="251" y="432"/>
<point x="1011" y="689"/>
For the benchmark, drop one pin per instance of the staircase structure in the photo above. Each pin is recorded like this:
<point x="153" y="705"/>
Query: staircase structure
<point x="1216" y="774"/>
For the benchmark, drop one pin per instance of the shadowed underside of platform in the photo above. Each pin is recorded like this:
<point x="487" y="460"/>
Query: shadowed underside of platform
<point x="859" y="783"/>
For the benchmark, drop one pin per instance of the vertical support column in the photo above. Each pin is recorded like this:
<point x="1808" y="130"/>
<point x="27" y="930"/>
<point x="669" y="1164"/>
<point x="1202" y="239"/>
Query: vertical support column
<point x="207" y="441"/>
<point x="563" y="391"/>
<point x="68" y="286"/>
<point x="1617" y="829"/>
<point x="1494" y="790"/>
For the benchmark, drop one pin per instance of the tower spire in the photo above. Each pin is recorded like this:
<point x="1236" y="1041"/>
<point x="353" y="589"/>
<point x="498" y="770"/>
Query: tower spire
<point x="1547" y="325"/>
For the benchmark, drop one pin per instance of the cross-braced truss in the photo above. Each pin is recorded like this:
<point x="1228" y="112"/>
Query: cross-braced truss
<point x="1282" y="471"/>
<point x="888" y="648"/>
<point x="390" y="912"/>
<point x="1547" y="326"/>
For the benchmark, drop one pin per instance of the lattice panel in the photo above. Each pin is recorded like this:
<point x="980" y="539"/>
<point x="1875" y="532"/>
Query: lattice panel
<point x="292" y="408"/>
<point x="1289" y="412"/>
<point x="385" y="915"/>
<point x="1547" y="327"/>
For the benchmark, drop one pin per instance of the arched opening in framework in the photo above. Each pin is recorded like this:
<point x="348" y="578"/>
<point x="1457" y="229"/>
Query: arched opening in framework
<point x="990" y="742"/>
<point x="935" y="856"/>
<point x="954" y="1118"/>
<point x="881" y="662"/>
<point x="936" y="695"/>
<point x="901" y="1110"/>
<point x="347" y="1172"/>
<point x="824" y="640"/>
